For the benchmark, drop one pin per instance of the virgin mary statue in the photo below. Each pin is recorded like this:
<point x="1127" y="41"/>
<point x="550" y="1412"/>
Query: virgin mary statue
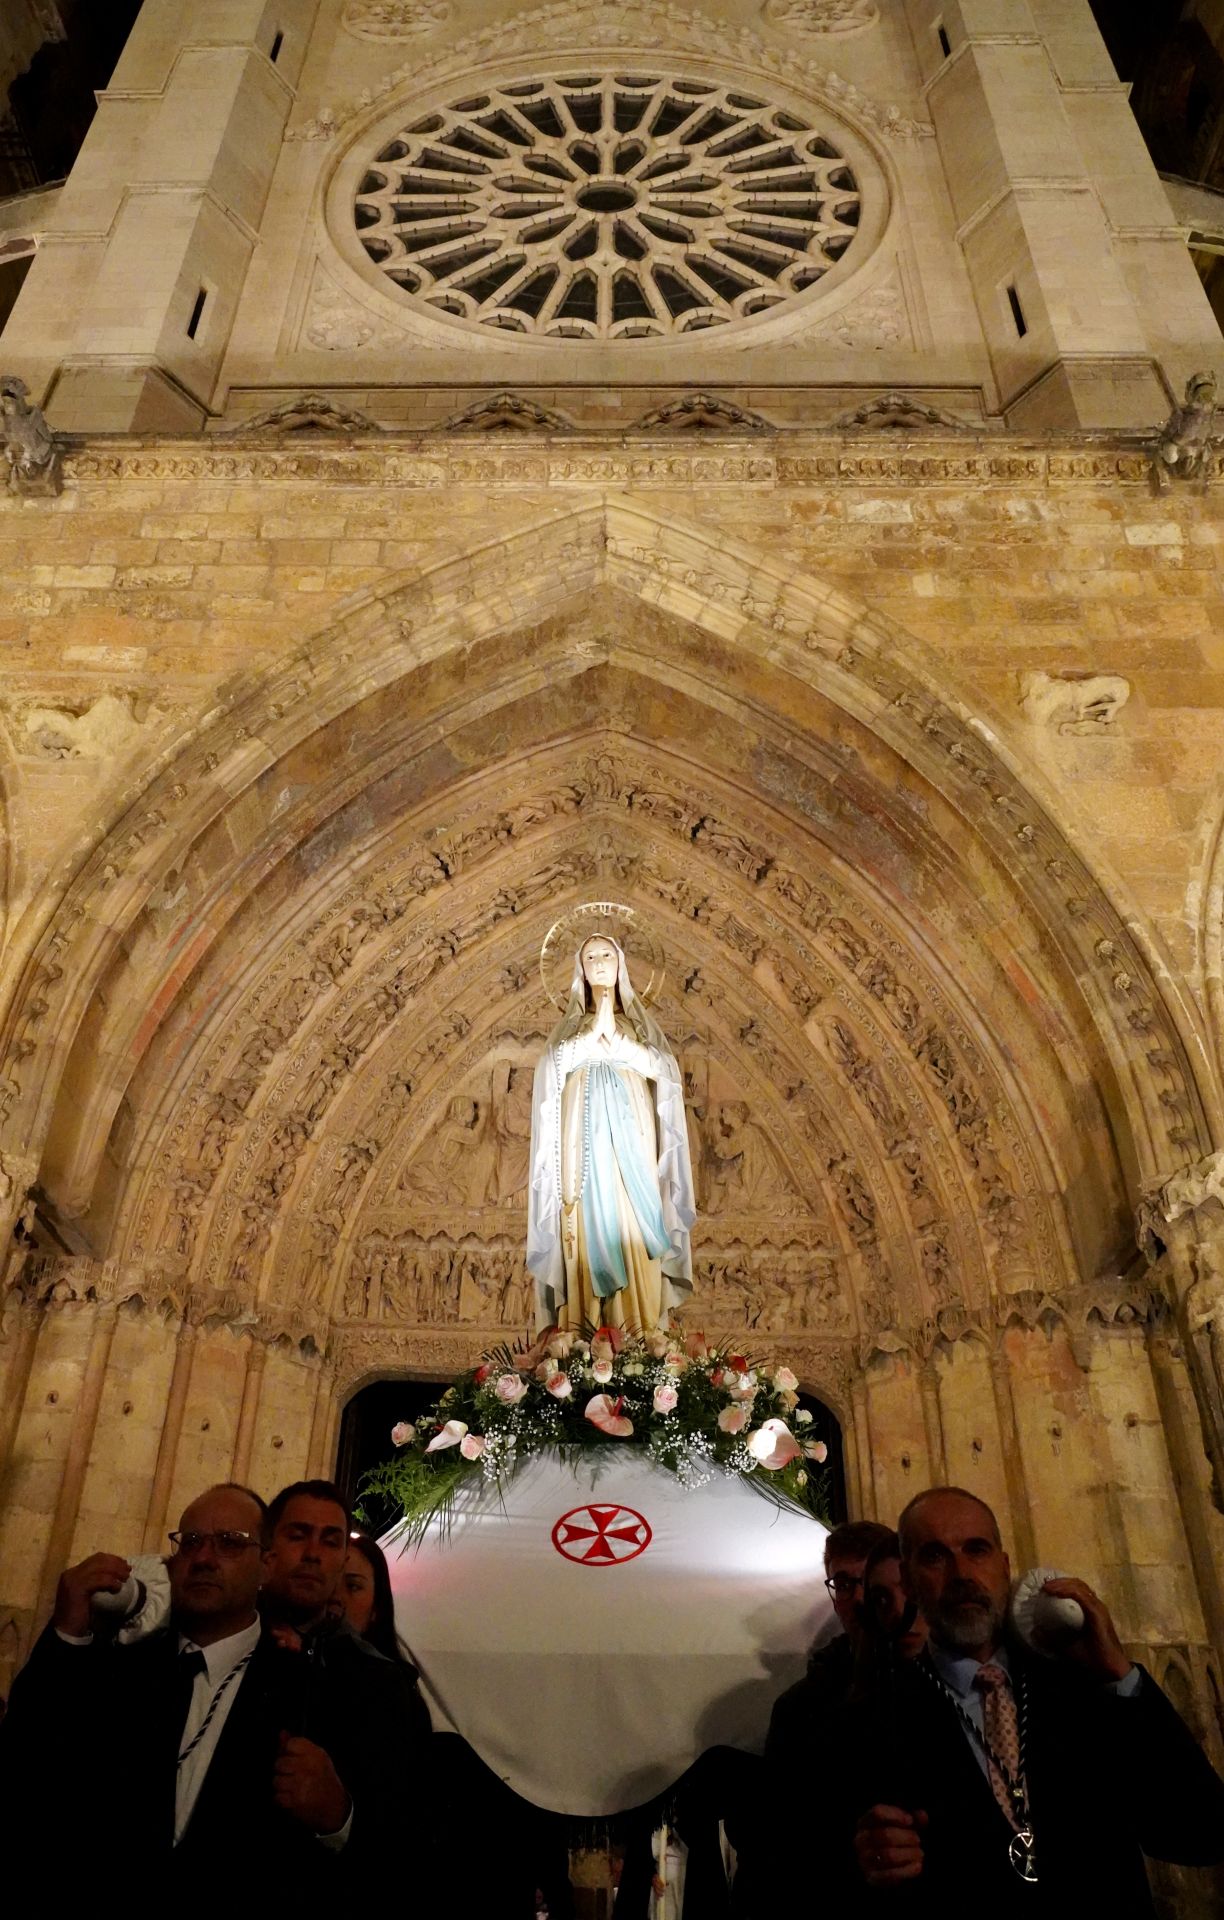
<point x="611" y="1199"/>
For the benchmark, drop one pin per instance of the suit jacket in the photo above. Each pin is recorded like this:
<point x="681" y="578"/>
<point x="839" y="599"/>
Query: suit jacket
<point x="1110" y="1780"/>
<point x="801" y="1715"/>
<point x="87" y="1753"/>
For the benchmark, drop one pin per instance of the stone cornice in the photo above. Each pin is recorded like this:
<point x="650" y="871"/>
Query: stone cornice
<point x="790" y="458"/>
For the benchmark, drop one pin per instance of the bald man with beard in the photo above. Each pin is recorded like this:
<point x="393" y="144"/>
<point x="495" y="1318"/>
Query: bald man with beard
<point x="1010" y="1782"/>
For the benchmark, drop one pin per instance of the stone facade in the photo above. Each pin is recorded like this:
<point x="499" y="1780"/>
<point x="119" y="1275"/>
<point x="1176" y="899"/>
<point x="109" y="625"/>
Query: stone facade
<point x="893" y="700"/>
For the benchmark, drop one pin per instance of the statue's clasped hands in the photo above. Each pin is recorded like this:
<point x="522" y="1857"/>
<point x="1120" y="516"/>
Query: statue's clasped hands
<point x="605" y="1022"/>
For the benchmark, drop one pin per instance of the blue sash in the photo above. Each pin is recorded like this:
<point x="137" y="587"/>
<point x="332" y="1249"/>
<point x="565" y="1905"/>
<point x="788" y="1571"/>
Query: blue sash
<point x="614" y="1144"/>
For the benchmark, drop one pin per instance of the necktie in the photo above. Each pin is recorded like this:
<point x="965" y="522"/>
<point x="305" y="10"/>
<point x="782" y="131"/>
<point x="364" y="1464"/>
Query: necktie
<point x="1002" y="1731"/>
<point x="190" y="1662"/>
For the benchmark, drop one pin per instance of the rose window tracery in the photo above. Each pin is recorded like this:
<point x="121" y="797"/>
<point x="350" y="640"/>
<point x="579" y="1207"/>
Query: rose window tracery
<point x="623" y="207"/>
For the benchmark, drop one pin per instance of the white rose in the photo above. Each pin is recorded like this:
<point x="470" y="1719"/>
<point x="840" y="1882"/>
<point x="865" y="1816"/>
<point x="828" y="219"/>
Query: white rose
<point x="785" y="1380"/>
<point x="601" y="1370"/>
<point x="803" y="1418"/>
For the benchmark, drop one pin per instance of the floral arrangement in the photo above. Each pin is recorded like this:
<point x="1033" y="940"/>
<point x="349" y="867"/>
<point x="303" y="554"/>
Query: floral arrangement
<point x="696" y="1408"/>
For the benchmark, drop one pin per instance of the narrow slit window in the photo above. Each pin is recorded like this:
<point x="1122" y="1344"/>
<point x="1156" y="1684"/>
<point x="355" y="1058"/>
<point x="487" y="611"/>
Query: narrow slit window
<point x="941" y="34"/>
<point x="278" y="41"/>
<point x="197" y="313"/>
<point x="1017" y="311"/>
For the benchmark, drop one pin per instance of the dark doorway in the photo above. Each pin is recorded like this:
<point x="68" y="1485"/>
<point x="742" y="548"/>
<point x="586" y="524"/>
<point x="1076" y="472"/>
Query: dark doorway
<point x="365" y="1435"/>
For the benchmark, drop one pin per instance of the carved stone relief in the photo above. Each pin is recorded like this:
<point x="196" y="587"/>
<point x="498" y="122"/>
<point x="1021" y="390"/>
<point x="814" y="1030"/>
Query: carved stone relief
<point x="818" y="17"/>
<point x="874" y="320"/>
<point x="473" y="1156"/>
<point x="394" y="19"/>
<point x="1073" y="702"/>
<point x="102" y="729"/>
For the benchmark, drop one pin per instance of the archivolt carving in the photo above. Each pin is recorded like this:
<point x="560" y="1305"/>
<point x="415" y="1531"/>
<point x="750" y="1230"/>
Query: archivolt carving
<point x="820" y="636"/>
<point x="734" y="1156"/>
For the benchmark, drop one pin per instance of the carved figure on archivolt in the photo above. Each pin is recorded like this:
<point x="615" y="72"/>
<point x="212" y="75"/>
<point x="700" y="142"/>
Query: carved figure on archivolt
<point x="250" y="1244"/>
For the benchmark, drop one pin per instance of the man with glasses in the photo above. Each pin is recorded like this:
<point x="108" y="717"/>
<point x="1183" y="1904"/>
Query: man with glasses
<point x="210" y="1740"/>
<point x="802" y="1713"/>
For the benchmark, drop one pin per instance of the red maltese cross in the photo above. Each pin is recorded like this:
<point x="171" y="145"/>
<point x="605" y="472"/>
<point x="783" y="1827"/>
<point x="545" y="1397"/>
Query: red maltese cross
<point x="601" y="1536"/>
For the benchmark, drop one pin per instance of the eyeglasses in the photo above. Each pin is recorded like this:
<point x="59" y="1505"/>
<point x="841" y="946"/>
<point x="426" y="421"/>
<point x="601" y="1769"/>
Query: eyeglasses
<point x="229" y="1545"/>
<point x="843" y="1584"/>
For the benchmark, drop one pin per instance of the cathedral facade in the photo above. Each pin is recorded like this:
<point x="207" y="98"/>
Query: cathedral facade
<point x="729" y="459"/>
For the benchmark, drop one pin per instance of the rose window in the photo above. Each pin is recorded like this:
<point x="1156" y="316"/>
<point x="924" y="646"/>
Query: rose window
<point x="625" y="207"/>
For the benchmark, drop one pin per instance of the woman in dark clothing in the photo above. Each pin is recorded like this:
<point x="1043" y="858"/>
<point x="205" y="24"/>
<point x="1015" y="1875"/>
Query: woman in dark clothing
<point x="363" y="1597"/>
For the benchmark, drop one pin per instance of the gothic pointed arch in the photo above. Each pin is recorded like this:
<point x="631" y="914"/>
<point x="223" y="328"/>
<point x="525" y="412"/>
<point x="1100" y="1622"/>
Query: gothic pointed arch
<point x="365" y="847"/>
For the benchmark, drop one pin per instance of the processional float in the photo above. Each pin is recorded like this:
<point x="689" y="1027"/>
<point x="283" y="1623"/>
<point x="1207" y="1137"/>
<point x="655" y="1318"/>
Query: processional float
<point x="586" y="1572"/>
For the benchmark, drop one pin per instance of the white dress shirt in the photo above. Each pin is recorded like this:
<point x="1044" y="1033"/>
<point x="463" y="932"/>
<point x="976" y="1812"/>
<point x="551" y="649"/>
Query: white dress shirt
<point x="220" y="1660"/>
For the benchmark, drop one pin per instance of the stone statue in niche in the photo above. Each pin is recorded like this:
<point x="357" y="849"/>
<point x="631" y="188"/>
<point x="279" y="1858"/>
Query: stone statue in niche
<point x="611" y="1197"/>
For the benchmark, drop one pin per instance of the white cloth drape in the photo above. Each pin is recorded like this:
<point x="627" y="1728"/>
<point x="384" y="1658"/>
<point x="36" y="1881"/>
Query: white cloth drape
<point x="590" y="1685"/>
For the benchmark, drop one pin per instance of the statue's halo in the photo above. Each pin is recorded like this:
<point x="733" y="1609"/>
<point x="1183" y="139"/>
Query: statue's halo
<point x="625" y="925"/>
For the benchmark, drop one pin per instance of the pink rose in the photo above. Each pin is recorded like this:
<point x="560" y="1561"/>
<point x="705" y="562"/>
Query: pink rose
<point x="785" y="1380"/>
<point x="560" y="1386"/>
<point x="665" y="1398"/>
<point x="733" y="1419"/>
<point x="450" y="1436"/>
<point x="676" y="1362"/>
<point x="815" y="1450"/>
<point x="773" y="1445"/>
<point x="472" y="1446"/>
<point x="510" y="1388"/>
<point x="605" y="1413"/>
<point x="402" y="1432"/>
<point x="601" y="1369"/>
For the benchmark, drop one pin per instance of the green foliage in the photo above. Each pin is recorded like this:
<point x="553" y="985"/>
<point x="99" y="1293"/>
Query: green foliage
<point x="695" y="1409"/>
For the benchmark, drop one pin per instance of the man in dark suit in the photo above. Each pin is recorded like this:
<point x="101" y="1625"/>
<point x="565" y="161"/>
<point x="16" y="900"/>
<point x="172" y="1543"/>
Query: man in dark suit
<point x="1030" y="1785"/>
<point x="210" y="1741"/>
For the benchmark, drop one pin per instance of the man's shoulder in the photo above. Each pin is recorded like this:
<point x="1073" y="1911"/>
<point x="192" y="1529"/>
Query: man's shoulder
<point x="829" y="1671"/>
<point x="340" y="1646"/>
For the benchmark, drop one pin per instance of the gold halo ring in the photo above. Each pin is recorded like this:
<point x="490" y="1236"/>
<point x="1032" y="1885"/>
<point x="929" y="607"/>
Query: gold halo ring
<point x="643" y="948"/>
